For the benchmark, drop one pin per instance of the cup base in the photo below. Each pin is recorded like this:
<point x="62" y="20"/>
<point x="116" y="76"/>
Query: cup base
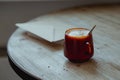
<point x="78" y="60"/>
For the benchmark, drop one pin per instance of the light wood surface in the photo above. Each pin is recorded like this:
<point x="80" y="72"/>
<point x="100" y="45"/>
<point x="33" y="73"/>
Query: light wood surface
<point x="46" y="61"/>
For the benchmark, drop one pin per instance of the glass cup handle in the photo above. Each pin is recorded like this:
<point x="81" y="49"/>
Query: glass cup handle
<point x="89" y="46"/>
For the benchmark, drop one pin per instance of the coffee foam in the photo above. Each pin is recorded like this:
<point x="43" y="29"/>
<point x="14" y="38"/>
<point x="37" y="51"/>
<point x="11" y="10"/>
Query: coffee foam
<point x="78" y="33"/>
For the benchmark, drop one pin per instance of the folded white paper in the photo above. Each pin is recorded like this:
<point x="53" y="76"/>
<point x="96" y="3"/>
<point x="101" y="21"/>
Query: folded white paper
<point x="49" y="30"/>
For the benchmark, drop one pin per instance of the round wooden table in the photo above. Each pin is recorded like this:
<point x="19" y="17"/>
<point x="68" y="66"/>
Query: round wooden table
<point x="37" y="59"/>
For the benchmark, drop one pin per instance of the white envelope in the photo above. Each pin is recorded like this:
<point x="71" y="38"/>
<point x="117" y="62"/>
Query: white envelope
<point x="51" y="27"/>
<point x="46" y="30"/>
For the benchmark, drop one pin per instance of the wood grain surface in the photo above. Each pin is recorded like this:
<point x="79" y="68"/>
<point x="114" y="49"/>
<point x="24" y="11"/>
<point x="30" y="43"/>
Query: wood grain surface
<point x="46" y="61"/>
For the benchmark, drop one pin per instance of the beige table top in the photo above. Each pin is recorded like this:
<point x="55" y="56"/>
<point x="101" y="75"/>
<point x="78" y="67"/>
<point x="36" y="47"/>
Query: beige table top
<point x="46" y="61"/>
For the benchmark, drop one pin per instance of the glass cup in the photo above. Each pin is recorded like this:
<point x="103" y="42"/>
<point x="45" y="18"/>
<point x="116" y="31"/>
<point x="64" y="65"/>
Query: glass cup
<point x="78" y="46"/>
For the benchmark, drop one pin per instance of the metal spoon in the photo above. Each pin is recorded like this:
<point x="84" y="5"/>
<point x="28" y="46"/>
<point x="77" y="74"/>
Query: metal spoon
<point x="92" y="29"/>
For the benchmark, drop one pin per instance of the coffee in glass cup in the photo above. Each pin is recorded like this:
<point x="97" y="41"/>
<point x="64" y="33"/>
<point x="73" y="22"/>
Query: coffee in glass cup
<point x="78" y="45"/>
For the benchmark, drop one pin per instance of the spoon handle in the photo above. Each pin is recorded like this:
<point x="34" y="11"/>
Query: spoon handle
<point x="92" y="29"/>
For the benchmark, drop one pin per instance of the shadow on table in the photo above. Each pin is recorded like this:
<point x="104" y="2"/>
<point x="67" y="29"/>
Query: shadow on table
<point x="89" y="67"/>
<point x="54" y="46"/>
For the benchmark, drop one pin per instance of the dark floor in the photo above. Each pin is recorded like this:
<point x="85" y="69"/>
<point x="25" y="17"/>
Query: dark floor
<point x="6" y="72"/>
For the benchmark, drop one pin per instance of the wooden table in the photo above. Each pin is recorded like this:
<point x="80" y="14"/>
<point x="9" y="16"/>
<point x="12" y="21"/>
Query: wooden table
<point x="40" y="59"/>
